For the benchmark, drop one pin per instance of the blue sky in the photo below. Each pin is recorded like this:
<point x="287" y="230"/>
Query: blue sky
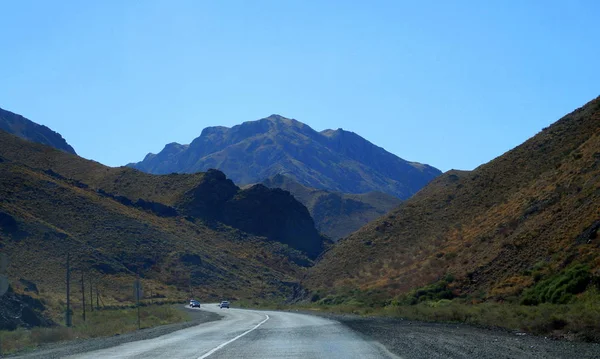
<point x="449" y="83"/>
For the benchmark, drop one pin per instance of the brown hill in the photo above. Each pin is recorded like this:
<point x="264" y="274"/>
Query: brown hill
<point x="498" y="229"/>
<point x="336" y="214"/>
<point x="44" y="217"/>
<point x="116" y="222"/>
<point x="210" y="196"/>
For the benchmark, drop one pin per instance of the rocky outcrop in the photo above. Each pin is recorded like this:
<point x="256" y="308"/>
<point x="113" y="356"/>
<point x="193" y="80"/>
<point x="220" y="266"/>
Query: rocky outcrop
<point x="272" y="213"/>
<point x="19" y="310"/>
<point x="275" y="214"/>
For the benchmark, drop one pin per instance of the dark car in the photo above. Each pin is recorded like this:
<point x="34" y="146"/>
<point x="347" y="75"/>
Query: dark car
<point x="194" y="304"/>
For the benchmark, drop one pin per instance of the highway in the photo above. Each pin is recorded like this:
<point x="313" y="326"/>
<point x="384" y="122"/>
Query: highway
<point x="252" y="334"/>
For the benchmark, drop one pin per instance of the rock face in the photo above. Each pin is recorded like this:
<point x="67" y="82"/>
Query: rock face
<point x="335" y="160"/>
<point x="19" y="310"/>
<point x="31" y="131"/>
<point x="336" y="214"/>
<point x="272" y="213"/>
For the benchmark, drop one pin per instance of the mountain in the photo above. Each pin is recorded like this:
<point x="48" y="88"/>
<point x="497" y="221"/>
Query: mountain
<point x="505" y="229"/>
<point x="337" y="160"/>
<point x="336" y="214"/>
<point x="209" y="195"/>
<point x="31" y="131"/>
<point x="175" y="231"/>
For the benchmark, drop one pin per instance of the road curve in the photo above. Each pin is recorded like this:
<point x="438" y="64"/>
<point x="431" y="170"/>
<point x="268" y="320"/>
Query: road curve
<point x="252" y="334"/>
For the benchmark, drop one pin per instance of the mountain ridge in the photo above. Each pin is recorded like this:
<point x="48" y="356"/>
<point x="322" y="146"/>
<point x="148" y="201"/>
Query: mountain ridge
<point x="22" y="127"/>
<point x="335" y="160"/>
<point x="336" y="214"/>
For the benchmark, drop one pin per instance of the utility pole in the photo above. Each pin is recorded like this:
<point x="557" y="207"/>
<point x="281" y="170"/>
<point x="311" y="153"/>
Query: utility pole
<point x="68" y="314"/>
<point x="97" y="298"/>
<point x="91" y="295"/>
<point x="83" y="295"/>
<point x="137" y="290"/>
<point x="3" y="283"/>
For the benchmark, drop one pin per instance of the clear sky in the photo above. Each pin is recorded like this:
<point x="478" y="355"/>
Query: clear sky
<point x="449" y="83"/>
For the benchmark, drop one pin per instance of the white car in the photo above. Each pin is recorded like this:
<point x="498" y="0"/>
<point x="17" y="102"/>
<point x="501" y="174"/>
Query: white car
<point x="224" y="304"/>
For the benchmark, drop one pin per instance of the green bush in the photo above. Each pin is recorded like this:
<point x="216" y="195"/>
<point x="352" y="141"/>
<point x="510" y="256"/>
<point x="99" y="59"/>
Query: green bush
<point x="431" y="293"/>
<point x="560" y="287"/>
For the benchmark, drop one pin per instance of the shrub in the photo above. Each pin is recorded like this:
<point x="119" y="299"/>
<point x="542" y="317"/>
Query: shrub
<point x="431" y="293"/>
<point x="560" y="287"/>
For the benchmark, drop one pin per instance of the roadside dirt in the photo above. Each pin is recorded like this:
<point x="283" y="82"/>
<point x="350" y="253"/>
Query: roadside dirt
<point x="409" y="339"/>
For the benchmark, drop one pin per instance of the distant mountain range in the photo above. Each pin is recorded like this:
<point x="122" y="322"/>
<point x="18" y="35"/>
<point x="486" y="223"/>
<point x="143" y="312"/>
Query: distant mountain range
<point x="31" y="131"/>
<point x="334" y="160"/>
<point x="336" y="214"/>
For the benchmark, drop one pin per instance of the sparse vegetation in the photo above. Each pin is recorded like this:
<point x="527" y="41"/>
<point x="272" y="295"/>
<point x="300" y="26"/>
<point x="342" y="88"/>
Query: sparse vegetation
<point x="503" y="229"/>
<point x="578" y="320"/>
<point x="99" y="323"/>
<point x="430" y="293"/>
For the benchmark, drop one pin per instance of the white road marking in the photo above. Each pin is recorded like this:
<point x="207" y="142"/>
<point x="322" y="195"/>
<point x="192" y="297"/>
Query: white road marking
<point x="234" y="339"/>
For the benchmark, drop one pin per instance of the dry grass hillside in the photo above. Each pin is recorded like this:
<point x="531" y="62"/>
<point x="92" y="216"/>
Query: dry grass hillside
<point x="114" y="226"/>
<point x="521" y="218"/>
<point x="209" y="196"/>
<point x="117" y="180"/>
<point x="44" y="217"/>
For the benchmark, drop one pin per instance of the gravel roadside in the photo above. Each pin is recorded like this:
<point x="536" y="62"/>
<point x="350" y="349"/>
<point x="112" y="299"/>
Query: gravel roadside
<point x="59" y="350"/>
<point x="410" y="339"/>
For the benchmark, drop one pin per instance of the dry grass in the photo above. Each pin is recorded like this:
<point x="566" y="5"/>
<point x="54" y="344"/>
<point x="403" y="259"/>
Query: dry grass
<point x="111" y="241"/>
<point x="488" y="227"/>
<point x="98" y="324"/>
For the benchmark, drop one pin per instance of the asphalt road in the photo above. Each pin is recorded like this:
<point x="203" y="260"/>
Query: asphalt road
<point x="252" y="334"/>
<point x="236" y="333"/>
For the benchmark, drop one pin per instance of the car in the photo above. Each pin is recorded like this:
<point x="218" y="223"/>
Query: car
<point x="194" y="304"/>
<point x="224" y="304"/>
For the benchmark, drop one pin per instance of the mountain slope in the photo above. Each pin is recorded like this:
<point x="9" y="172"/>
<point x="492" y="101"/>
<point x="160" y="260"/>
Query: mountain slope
<point x="209" y="196"/>
<point x="31" y="131"/>
<point x="336" y="214"/>
<point x="117" y="222"/>
<point x="44" y="216"/>
<point x="335" y="160"/>
<point x="498" y="229"/>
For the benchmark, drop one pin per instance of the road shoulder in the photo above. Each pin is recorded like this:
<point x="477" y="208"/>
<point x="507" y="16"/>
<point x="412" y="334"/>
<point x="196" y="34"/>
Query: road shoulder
<point x="59" y="350"/>
<point x="412" y="339"/>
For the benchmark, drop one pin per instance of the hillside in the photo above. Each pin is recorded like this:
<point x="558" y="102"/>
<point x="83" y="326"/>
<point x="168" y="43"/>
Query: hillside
<point x="336" y="214"/>
<point x="210" y="196"/>
<point x="337" y="160"/>
<point x="44" y="216"/>
<point x="524" y="217"/>
<point x="175" y="231"/>
<point x="31" y="131"/>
